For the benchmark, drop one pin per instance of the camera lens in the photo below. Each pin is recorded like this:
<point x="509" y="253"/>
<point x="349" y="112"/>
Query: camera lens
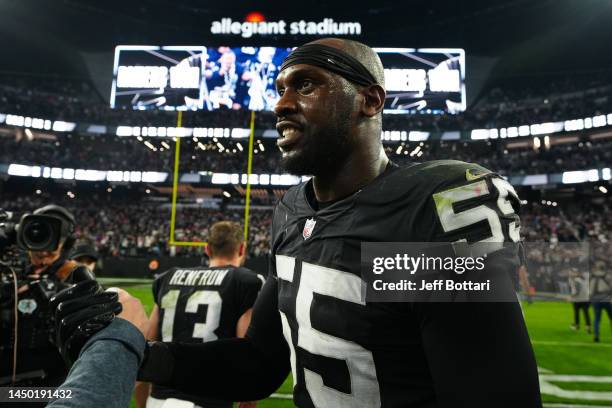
<point x="37" y="234"/>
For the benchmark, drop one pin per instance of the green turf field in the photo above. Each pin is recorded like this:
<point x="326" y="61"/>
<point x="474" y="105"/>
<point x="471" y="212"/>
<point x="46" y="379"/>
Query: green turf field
<point x="574" y="371"/>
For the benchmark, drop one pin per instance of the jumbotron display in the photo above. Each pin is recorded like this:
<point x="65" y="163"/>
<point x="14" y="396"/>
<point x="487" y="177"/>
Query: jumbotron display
<point x="204" y="78"/>
<point x="196" y="78"/>
<point x="430" y="80"/>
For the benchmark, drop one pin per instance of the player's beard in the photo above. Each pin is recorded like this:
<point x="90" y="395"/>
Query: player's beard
<point x="325" y="150"/>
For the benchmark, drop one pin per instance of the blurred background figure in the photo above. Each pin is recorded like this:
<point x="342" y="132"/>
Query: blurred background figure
<point x="579" y="290"/>
<point x="221" y="79"/>
<point x="601" y="295"/>
<point x="86" y="254"/>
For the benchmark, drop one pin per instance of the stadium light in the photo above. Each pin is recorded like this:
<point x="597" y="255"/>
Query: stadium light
<point x="150" y="146"/>
<point x="19" y="170"/>
<point x="417" y="136"/>
<point x="61" y="126"/>
<point x="580" y="176"/>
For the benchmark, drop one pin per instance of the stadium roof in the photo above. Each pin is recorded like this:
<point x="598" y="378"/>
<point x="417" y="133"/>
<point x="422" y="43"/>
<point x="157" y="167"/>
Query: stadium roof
<point x="525" y="37"/>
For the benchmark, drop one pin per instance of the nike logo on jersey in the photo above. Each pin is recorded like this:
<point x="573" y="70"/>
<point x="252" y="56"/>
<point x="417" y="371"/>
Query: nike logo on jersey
<point x="473" y="174"/>
<point x="198" y="277"/>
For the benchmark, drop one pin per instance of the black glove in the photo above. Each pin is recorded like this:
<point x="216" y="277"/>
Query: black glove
<point x="81" y="311"/>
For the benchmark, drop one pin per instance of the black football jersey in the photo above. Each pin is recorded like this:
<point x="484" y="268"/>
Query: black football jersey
<point x="202" y="304"/>
<point x="346" y="352"/>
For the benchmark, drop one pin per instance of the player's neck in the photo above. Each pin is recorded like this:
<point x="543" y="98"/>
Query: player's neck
<point x="357" y="172"/>
<point x="215" y="262"/>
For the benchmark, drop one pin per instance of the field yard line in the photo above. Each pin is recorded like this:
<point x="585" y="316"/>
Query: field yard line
<point x="569" y="343"/>
<point x="138" y="280"/>
<point x="551" y="389"/>
<point x="284" y="396"/>
<point x="576" y="378"/>
<point x="560" y="405"/>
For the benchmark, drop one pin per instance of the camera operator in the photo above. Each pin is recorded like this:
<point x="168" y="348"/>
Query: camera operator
<point x="36" y="361"/>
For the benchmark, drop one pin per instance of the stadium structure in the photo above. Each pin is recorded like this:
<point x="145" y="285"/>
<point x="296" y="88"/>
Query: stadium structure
<point x="151" y="125"/>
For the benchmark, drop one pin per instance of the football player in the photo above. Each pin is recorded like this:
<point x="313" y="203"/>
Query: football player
<point x="345" y="352"/>
<point x="310" y="318"/>
<point x="195" y="305"/>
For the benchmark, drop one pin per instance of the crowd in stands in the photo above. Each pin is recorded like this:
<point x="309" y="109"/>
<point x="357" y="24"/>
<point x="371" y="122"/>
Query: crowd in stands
<point x="107" y="152"/>
<point x="517" y="161"/>
<point x="560" y="242"/>
<point x="513" y="102"/>
<point x="120" y="227"/>
<point x="124" y="227"/>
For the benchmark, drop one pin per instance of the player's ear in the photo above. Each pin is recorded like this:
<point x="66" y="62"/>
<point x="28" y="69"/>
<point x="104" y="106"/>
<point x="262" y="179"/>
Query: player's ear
<point x="373" y="101"/>
<point x="241" y="250"/>
<point x="207" y="250"/>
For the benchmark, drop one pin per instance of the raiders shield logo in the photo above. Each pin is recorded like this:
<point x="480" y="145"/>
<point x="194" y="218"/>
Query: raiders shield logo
<point x="308" y="227"/>
<point x="27" y="306"/>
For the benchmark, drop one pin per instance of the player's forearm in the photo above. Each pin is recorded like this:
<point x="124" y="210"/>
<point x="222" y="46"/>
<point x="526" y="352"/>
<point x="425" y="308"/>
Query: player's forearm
<point x="227" y="369"/>
<point x="479" y="354"/>
<point x="105" y="372"/>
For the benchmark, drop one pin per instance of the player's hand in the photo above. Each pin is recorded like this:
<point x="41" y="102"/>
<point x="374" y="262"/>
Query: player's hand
<point x="81" y="311"/>
<point x="133" y="311"/>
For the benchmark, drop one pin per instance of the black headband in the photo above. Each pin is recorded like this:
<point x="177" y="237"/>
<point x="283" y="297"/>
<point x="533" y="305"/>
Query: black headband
<point x="331" y="59"/>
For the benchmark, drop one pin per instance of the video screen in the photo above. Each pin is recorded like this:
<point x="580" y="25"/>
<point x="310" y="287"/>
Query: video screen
<point x="196" y="78"/>
<point x="426" y="80"/>
<point x="206" y="78"/>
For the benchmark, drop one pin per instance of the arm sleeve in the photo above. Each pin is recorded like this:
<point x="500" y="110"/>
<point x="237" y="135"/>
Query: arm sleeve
<point x="244" y="369"/>
<point x="106" y="368"/>
<point x="479" y="355"/>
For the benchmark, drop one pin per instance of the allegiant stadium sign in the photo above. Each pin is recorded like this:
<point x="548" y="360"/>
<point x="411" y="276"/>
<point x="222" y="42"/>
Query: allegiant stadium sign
<point x="247" y="29"/>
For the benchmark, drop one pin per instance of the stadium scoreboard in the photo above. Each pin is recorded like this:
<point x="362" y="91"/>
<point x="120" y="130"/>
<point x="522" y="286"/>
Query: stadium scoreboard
<point x="430" y="80"/>
<point x="206" y="78"/>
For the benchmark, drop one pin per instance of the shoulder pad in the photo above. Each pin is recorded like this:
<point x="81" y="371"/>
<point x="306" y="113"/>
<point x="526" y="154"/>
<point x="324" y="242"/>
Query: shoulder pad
<point x="421" y="179"/>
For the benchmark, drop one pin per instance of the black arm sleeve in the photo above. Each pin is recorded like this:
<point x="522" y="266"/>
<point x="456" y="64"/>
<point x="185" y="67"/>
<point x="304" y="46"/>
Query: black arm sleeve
<point x="244" y="369"/>
<point x="479" y="355"/>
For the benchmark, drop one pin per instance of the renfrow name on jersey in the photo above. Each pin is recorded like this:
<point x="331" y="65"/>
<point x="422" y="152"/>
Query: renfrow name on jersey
<point x="198" y="277"/>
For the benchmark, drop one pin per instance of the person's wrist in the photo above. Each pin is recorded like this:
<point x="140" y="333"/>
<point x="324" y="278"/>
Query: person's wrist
<point x="158" y="363"/>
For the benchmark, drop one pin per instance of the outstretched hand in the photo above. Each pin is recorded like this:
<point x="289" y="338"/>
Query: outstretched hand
<point x="81" y="311"/>
<point x="133" y="311"/>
